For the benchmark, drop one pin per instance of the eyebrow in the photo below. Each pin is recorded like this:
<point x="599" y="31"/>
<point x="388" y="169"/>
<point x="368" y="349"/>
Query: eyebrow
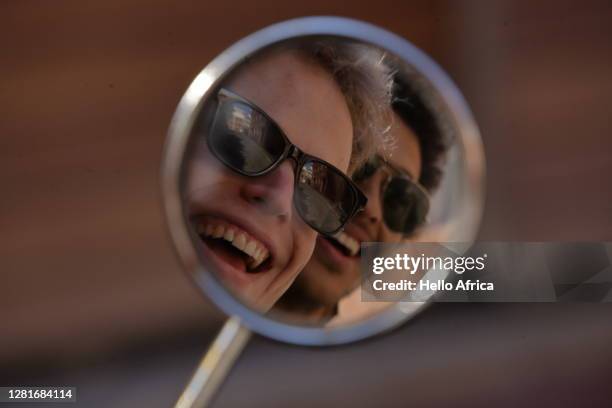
<point x="401" y="169"/>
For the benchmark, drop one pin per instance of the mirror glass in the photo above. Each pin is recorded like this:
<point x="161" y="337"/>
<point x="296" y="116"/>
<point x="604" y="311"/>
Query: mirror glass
<point x="299" y="152"/>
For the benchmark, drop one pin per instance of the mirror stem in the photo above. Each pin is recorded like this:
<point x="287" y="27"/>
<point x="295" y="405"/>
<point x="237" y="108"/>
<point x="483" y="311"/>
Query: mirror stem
<point x="215" y="365"/>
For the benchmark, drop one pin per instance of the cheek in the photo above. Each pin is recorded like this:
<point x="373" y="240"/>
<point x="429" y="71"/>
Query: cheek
<point x="304" y="240"/>
<point x="204" y="171"/>
<point x="387" y="235"/>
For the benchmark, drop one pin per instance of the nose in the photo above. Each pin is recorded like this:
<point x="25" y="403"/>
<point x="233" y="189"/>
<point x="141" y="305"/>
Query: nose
<point x="272" y="193"/>
<point x="371" y="187"/>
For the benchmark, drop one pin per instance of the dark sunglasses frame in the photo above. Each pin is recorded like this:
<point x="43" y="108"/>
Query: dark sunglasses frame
<point x="290" y="151"/>
<point x="377" y="163"/>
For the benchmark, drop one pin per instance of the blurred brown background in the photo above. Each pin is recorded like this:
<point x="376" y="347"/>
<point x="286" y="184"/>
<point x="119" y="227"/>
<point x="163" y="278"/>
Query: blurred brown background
<point x="92" y="293"/>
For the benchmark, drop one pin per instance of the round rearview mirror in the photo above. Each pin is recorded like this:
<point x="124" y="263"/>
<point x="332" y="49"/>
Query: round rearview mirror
<point x="296" y="145"/>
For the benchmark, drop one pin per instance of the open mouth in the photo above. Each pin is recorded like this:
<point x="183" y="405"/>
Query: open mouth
<point x="348" y="245"/>
<point x="233" y="245"/>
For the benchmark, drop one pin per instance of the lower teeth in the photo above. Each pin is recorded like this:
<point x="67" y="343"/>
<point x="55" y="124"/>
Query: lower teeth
<point x="341" y="247"/>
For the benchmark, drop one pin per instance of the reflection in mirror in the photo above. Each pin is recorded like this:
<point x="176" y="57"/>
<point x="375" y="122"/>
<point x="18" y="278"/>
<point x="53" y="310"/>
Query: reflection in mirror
<point x="398" y="186"/>
<point x="270" y="158"/>
<point x="304" y="151"/>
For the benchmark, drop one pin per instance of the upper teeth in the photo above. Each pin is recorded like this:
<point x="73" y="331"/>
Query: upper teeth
<point x="348" y="242"/>
<point x="238" y="238"/>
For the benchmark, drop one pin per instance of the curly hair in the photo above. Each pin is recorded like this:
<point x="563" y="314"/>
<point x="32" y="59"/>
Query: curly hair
<point x="410" y="106"/>
<point x="366" y="82"/>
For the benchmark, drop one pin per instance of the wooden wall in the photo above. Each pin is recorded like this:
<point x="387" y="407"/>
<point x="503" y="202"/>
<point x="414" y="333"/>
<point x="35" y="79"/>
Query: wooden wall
<point x="87" y="90"/>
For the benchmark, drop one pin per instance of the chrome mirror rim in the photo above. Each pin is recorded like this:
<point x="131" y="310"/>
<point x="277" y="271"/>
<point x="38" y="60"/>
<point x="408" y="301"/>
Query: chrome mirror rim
<point x="189" y="107"/>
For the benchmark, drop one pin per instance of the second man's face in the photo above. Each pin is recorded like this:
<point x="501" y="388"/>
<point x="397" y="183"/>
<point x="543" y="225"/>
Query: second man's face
<point x="334" y="269"/>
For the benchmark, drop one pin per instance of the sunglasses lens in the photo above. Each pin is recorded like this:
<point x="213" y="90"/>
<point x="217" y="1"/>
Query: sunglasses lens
<point x="244" y="139"/>
<point x="323" y="197"/>
<point x="405" y="205"/>
<point x="249" y="142"/>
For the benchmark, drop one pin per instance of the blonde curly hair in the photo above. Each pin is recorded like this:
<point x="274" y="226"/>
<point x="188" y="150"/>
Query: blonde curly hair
<point x="366" y="81"/>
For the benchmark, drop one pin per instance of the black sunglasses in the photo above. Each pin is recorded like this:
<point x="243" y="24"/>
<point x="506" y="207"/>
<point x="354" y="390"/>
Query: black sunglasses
<point x="249" y="142"/>
<point x="405" y="203"/>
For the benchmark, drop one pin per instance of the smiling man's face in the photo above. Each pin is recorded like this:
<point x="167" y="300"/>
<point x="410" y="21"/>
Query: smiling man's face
<point x="334" y="271"/>
<point x="248" y="227"/>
